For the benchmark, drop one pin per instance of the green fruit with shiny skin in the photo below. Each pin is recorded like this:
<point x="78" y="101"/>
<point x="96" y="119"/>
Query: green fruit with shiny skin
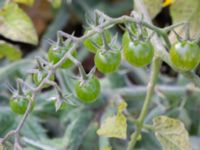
<point x="19" y="105"/>
<point x="185" y="55"/>
<point x="55" y="55"/>
<point x="108" y="61"/>
<point x="137" y="53"/>
<point x="89" y="90"/>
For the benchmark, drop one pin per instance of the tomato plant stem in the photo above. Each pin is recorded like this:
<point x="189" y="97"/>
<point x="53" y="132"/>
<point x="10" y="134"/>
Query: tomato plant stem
<point x="150" y="90"/>
<point x="160" y="54"/>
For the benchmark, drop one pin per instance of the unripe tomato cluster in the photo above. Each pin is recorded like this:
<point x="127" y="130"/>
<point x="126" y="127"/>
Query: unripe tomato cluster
<point x="137" y="53"/>
<point x="184" y="55"/>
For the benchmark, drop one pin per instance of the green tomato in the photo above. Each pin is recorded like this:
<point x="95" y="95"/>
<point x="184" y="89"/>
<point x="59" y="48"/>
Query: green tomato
<point x="185" y="55"/>
<point x="89" y="90"/>
<point x="108" y="61"/>
<point x="125" y="39"/>
<point x="38" y="77"/>
<point x="137" y="53"/>
<point x="97" y="39"/>
<point x="19" y="105"/>
<point x="55" y="55"/>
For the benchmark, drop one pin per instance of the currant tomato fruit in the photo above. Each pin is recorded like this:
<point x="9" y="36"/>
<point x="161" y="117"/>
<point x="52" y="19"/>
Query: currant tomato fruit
<point x="38" y="77"/>
<point x="185" y="55"/>
<point x="137" y="53"/>
<point x="19" y="105"/>
<point x="97" y="39"/>
<point x="108" y="61"/>
<point x="87" y="91"/>
<point x="55" y="55"/>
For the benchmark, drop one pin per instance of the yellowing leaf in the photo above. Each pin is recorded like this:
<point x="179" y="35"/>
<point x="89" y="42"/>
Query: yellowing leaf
<point x="153" y="7"/>
<point x="171" y="133"/>
<point x="106" y="148"/>
<point x="186" y="10"/>
<point x="27" y="2"/>
<point x="9" y="51"/>
<point x="16" y="25"/>
<point x="122" y="106"/>
<point x="115" y="126"/>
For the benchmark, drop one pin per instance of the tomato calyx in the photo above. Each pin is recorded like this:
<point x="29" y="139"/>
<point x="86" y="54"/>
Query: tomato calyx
<point x="56" y="53"/>
<point x="98" y="40"/>
<point x="85" y="77"/>
<point x="40" y="72"/>
<point x="20" y="101"/>
<point x="107" y="61"/>
<point x="61" y="101"/>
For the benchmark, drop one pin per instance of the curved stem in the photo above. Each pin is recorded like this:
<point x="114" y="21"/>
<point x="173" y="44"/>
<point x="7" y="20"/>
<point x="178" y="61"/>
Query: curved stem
<point x="160" y="54"/>
<point x="173" y="26"/>
<point x="16" y="131"/>
<point x="166" y="39"/>
<point x="106" y="46"/>
<point x="150" y="90"/>
<point x="80" y="67"/>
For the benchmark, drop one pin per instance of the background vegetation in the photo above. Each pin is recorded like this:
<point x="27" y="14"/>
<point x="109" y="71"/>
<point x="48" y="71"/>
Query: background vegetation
<point x="25" y="28"/>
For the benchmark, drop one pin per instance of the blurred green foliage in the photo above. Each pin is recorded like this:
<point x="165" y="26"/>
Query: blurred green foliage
<point x="75" y="127"/>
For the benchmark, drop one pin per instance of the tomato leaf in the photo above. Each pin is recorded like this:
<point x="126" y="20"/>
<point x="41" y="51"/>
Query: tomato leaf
<point x="9" y="51"/>
<point x="26" y="2"/>
<point x="182" y="10"/>
<point x="74" y="134"/>
<point x="153" y="7"/>
<point x="115" y="126"/>
<point x="171" y="133"/>
<point x="106" y="148"/>
<point x="58" y="104"/>
<point x="16" y="25"/>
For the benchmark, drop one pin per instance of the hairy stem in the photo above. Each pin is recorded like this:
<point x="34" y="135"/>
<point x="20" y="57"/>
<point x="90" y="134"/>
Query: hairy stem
<point x="160" y="54"/>
<point x="150" y="90"/>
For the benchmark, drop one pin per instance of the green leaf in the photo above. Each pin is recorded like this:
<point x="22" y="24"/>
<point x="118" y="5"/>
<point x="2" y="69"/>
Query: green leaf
<point x="115" y="126"/>
<point x="148" y="142"/>
<point x="55" y="143"/>
<point x="11" y="69"/>
<point x="90" y="137"/>
<point x="7" y="121"/>
<point x="186" y="10"/>
<point x="27" y="2"/>
<point x="171" y="133"/>
<point x="42" y="144"/>
<point x="153" y="7"/>
<point x="16" y="25"/>
<point x="33" y="129"/>
<point x="74" y="134"/>
<point x="9" y="51"/>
